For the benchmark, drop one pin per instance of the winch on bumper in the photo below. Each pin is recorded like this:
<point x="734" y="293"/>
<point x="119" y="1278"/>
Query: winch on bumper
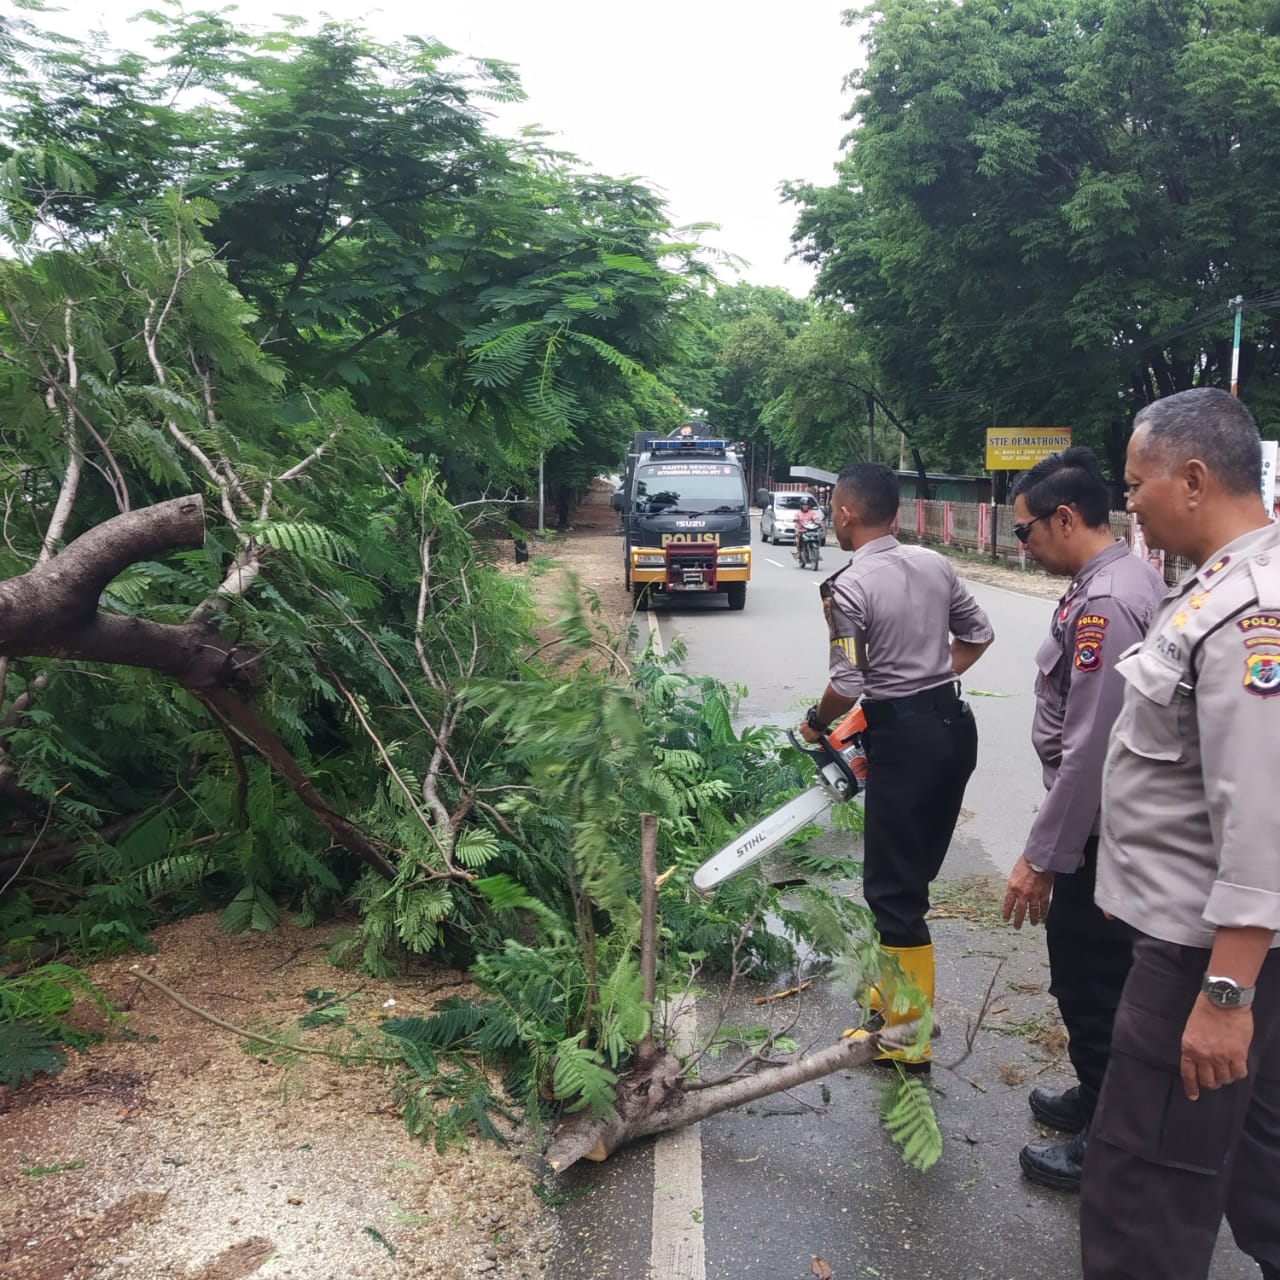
<point x="690" y="567"/>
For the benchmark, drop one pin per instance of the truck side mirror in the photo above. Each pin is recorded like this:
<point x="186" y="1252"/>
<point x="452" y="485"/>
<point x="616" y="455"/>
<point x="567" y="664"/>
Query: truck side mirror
<point x="762" y="498"/>
<point x="615" y="500"/>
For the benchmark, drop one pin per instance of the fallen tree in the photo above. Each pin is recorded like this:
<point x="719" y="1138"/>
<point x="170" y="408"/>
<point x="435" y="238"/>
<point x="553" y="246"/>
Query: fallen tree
<point x="661" y="1093"/>
<point x="658" y="1098"/>
<point x="53" y="611"/>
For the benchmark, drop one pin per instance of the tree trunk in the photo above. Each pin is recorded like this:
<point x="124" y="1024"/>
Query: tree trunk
<point x="657" y="1100"/>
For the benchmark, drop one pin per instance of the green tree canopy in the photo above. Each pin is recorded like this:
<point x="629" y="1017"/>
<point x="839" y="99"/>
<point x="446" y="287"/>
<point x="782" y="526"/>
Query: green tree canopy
<point x="1046" y="206"/>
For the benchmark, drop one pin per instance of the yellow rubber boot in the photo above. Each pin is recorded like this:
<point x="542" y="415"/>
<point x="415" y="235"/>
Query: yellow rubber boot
<point x="916" y="965"/>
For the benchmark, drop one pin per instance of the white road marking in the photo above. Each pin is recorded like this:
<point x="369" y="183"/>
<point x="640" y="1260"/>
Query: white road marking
<point x="676" y="1251"/>
<point x="777" y="562"/>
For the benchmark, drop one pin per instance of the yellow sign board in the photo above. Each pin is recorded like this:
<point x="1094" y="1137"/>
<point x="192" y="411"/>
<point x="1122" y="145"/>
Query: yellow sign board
<point x="1013" y="448"/>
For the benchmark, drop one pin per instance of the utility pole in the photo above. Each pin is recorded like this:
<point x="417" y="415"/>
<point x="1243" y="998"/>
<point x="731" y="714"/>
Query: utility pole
<point x="1238" y="304"/>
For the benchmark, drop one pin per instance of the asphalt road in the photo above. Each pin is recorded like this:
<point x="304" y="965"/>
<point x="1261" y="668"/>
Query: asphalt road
<point x="759" y="1193"/>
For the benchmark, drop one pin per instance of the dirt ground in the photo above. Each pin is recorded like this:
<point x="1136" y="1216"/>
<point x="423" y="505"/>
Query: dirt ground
<point x="169" y="1153"/>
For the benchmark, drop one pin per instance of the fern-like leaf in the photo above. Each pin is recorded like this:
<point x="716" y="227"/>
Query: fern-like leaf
<point x="908" y="1116"/>
<point x="25" y="1052"/>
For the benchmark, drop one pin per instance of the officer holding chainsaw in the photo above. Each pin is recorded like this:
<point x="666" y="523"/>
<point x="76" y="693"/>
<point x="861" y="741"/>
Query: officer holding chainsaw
<point x="1063" y="507"/>
<point x="902" y="628"/>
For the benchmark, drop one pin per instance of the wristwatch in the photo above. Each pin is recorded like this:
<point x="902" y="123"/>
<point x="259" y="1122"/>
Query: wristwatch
<point x="814" y="721"/>
<point x="1226" y="993"/>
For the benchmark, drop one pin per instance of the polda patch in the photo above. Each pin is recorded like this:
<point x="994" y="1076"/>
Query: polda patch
<point x="1262" y="674"/>
<point x="1090" y="631"/>
<point x="1088" y="654"/>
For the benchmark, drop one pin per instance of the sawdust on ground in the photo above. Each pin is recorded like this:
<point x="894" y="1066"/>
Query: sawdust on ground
<point x="170" y="1153"/>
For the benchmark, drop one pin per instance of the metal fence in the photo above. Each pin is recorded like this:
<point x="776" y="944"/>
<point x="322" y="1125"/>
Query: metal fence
<point x="988" y="530"/>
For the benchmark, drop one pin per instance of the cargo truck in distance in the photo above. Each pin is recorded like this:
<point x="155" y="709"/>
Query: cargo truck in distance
<point x="685" y="521"/>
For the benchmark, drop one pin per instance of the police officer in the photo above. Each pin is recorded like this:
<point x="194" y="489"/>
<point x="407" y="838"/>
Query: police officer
<point x="902" y="628"/>
<point x="1188" y="1124"/>
<point x="1062" y="509"/>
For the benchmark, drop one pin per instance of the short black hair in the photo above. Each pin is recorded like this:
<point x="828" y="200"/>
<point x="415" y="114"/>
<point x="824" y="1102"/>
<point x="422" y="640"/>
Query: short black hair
<point x="872" y="488"/>
<point x="1212" y="425"/>
<point x="1072" y="478"/>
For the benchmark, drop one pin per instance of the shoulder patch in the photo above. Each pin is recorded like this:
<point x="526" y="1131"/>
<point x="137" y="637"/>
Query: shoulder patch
<point x="1090" y="630"/>
<point x="1088" y="655"/>
<point x="1216" y="568"/>
<point x="1262" y="674"/>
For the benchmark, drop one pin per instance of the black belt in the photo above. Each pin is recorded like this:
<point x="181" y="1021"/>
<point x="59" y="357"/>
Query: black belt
<point x="943" y="698"/>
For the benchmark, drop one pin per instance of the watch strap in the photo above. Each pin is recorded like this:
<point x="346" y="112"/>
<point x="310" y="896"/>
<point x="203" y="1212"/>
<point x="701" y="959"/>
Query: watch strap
<point x="1226" y="993"/>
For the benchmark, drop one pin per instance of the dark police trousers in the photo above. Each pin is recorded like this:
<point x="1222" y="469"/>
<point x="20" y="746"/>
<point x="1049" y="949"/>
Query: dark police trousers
<point x="921" y="751"/>
<point x="1089" y="959"/>
<point x="1161" y="1171"/>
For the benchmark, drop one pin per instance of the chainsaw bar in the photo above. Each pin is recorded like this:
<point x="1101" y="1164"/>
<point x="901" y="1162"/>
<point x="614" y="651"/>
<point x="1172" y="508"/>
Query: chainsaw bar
<point x="842" y="769"/>
<point x="764" y="837"/>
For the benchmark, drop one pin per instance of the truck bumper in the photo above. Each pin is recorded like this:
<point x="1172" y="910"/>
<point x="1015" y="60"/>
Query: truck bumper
<point x="731" y="564"/>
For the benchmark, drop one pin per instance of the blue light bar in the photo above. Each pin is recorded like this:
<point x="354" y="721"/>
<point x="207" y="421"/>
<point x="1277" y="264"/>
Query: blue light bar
<point x="687" y="445"/>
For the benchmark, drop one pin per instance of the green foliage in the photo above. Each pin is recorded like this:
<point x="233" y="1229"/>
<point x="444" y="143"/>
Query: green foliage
<point x="1045" y="207"/>
<point x="26" y="1051"/>
<point x="908" y="1116"/>
<point x="35" y="1020"/>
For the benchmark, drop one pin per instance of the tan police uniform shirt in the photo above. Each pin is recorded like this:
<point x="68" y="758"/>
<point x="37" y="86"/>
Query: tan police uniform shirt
<point x="1078" y="691"/>
<point x="1190" y="825"/>
<point x="891" y="612"/>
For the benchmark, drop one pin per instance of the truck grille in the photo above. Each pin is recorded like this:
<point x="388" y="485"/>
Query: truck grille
<point x="691" y="565"/>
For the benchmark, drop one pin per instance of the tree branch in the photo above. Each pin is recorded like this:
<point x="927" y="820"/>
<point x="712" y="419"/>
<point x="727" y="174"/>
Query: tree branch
<point x="65" y="589"/>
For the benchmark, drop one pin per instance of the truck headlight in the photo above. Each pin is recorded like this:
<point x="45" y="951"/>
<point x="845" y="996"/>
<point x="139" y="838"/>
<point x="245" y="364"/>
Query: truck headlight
<point x="733" y="557"/>
<point x="651" y="562"/>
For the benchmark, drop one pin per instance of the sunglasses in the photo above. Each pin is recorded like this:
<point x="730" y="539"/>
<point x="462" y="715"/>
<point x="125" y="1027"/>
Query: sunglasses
<point x="1023" y="531"/>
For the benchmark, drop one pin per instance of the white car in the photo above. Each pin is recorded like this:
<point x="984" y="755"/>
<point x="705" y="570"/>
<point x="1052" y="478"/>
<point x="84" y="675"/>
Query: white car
<point x="778" y="519"/>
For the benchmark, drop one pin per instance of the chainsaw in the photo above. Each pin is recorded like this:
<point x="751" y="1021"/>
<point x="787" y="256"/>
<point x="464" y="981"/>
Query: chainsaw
<point x="841" y="759"/>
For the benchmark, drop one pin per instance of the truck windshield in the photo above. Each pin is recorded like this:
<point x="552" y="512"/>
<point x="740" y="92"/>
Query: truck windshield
<point x="691" y="486"/>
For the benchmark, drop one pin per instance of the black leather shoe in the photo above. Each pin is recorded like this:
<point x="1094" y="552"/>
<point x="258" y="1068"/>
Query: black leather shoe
<point x="1063" y="1111"/>
<point x="1059" y="1165"/>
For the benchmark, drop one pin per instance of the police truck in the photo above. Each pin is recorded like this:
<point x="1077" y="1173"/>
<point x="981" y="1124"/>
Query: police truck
<point x="685" y="521"/>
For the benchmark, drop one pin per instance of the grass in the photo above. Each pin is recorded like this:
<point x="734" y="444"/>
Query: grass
<point x="40" y="1170"/>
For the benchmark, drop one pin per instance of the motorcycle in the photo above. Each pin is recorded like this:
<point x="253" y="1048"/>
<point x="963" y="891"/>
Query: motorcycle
<point x="809" y="542"/>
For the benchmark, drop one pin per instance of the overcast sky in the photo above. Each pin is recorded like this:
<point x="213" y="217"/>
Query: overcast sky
<point x="713" y="102"/>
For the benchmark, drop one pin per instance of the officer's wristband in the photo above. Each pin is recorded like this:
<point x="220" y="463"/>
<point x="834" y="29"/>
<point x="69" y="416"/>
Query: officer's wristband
<point x="814" y="721"/>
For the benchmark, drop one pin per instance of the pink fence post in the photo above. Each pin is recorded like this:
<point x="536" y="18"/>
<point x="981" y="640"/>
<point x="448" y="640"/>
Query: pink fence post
<point x="919" y="518"/>
<point x="948" y="525"/>
<point x="982" y="526"/>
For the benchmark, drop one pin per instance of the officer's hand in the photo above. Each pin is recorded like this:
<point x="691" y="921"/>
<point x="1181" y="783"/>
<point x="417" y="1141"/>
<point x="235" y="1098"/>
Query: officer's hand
<point x="1215" y="1047"/>
<point x="1028" y="894"/>
<point x="809" y="735"/>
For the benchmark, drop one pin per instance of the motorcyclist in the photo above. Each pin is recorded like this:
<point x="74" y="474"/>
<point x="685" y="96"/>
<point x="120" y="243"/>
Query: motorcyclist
<point x="808" y="517"/>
